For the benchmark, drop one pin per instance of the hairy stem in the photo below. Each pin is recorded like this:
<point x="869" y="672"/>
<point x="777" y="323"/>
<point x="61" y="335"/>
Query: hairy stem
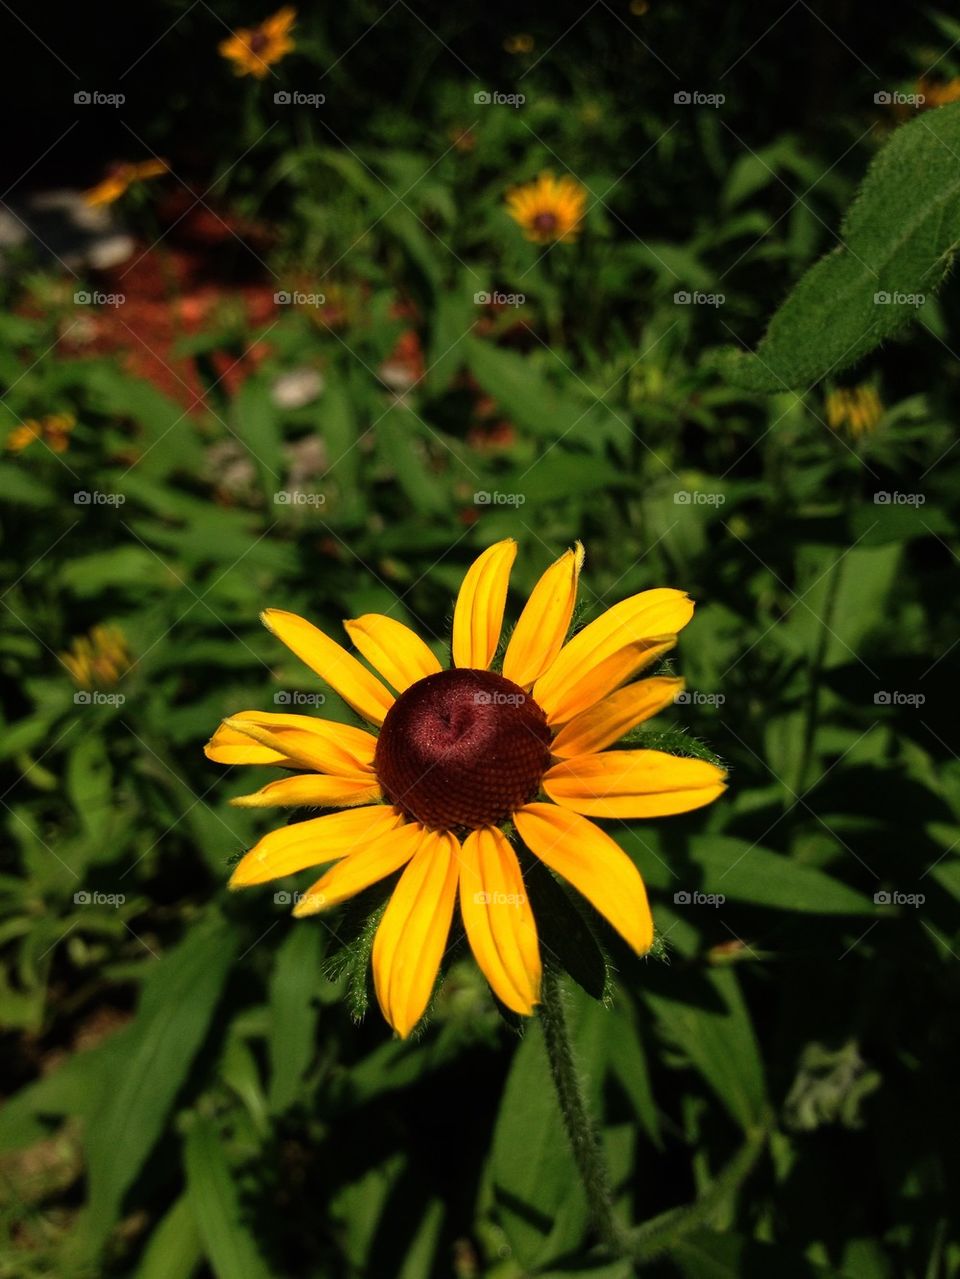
<point x="581" y="1129"/>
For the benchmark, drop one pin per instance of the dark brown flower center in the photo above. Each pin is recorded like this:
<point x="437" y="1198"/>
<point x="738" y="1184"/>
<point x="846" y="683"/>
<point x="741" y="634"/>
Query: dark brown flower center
<point x="258" y="40"/>
<point x="545" y="223"/>
<point x="462" y="748"/>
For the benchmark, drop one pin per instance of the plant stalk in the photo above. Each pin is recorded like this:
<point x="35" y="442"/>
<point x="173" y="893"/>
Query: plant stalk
<point x="581" y="1128"/>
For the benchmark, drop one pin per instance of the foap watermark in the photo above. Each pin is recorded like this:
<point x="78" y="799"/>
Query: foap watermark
<point x="94" y="98"/>
<point x="896" y="298"/>
<point x="499" y="699"/>
<point x="895" y="98"/>
<point x="493" y="98"/>
<point x="296" y="297"/>
<point x="516" y="900"/>
<point x="93" y="297"/>
<point x="696" y="497"/>
<point x="893" y="897"/>
<point x="898" y="698"/>
<point x="496" y="298"/>
<point x="293" y="697"/>
<point x="883" y="498"/>
<point x="283" y="898"/>
<point x="93" y="897"/>
<point x="697" y="898"/>
<point x="693" y="697"/>
<point x="86" y="497"/>
<point x="484" y="498"/>
<point x="94" y="697"/>
<point x="685" y="297"/>
<point x="297" y="497"/>
<point x="294" y="98"/>
<point x="696" y="98"/>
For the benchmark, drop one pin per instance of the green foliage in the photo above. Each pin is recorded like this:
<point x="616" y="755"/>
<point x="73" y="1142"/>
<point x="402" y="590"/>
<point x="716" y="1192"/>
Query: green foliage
<point x="895" y="247"/>
<point x="196" y="1084"/>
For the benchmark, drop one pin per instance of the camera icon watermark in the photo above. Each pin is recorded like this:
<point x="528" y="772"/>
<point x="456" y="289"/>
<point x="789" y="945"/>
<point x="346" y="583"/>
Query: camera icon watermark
<point x="93" y="97"/>
<point x="296" y="297"/>
<point x="294" y="98"/>
<point x="93" y="697"/>
<point x="497" y="298"/>
<point x="483" y="498"/>
<point x="516" y="900"/>
<point x="884" y="498"/>
<point x="894" y="98"/>
<point x="86" y="497"/>
<point x="897" y="698"/>
<point x="896" y="298"/>
<point x="492" y="98"/>
<point x="297" y="497"/>
<point x="895" y="898"/>
<point x="696" y="898"/>
<point x="695" y="98"/>
<point x="499" y="699"/>
<point x="693" y="697"/>
<point x="686" y="297"/>
<point x="695" y="497"/>
<point x="95" y="898"/>
<point x="293" y="697"/>
<point x="85" y="297"/>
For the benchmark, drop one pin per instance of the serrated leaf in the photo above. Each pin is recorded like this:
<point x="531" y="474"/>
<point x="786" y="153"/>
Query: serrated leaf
<point x="896" y="243"/>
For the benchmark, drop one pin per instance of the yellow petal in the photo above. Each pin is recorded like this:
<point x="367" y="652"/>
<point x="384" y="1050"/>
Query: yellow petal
<point x="498" y="920"/>
<point x="607" y="721"/>
<point x="595" y="866"/>
<point x="333" y="664"/>
<point x="646" y="616"/>
<point x="542" y="626"/>
<point x="633" y="784"/>
<point x="230" y="746"/>
<point x="594" y="683"/>
<point x="314" y="789"/>
<point x="368" y="865"/>
<point x="305" y="742"/>
<point x="479" y="611"/>
<point x="413" y="933"/>
<point x="313" y="842"/>
<point x="393" y="649"/>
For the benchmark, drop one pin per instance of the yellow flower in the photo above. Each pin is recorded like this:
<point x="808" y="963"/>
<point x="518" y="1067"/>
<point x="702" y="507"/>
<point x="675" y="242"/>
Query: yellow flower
<point x="54" y="430"/>
<point x="856" y="409"/>
<point x="98" y="660"/>
<point x="457" y="755"/>
<point x="253" y="50"/>
<point x="937" y="93"/>
<point x="121" y="178"/>
<point x="522" y="43"/>
<point x="548" y="209"/>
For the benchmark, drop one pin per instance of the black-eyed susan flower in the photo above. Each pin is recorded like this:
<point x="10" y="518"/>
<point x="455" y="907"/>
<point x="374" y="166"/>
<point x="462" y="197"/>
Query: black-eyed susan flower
<point x="455" y="761"/>
<point x="854" y="409"/>
<point x="254" y="50"/>
<point x="121" y="178"/>
<point x="98" y="660"/>
<point x="548" y="209"/>
<point x="54" y="430"/>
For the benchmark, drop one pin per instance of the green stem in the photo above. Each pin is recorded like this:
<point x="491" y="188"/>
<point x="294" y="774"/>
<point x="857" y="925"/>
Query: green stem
<point x="581" y="1129"/>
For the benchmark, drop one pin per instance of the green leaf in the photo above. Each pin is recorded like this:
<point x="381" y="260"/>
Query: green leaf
<point x="896" y="242"/>
<point x="293" y="1014"/>
<point x="228" y="1244"/>
<point x="717" y="1039"/>
<point x="174" y="1247"/>
<point x="729" y="1256"/>
<point x="175" y="1012"/>
<point x="745" y="872"/>
<point x="540" y="1202"/>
